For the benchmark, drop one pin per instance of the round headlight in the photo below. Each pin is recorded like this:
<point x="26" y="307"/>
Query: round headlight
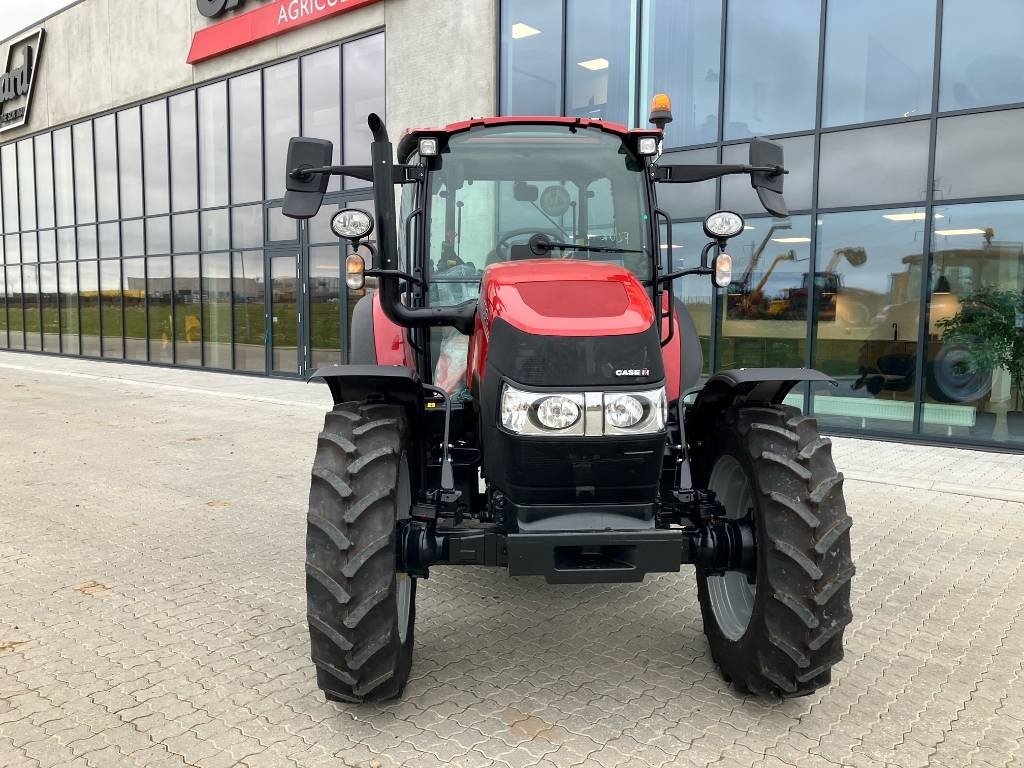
<point x="623" y="411"/>
<point x="557" y="412"/>
<point x="352" y="223"/>
<point x="723" y="224"/>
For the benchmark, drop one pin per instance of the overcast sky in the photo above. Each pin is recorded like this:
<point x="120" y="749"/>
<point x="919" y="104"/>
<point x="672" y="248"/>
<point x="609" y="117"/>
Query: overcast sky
<point x="15" y="15"/>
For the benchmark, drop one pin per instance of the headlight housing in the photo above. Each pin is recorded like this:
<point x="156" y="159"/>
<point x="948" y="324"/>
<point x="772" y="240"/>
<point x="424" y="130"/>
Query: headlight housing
<point x="589" y="414"/>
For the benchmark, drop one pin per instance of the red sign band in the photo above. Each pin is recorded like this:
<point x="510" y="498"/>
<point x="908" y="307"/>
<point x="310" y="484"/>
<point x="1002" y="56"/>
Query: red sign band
<point x="263" y="23"/>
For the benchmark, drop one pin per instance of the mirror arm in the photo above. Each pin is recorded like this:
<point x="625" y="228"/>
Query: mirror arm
<point x="703" y="269"/>
<point x="394" y="273"/>
<point x="687" y="174"/>
<point x="401" y="174"/>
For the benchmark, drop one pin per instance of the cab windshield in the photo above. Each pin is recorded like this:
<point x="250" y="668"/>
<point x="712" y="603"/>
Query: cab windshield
<point x="493" y="189"/>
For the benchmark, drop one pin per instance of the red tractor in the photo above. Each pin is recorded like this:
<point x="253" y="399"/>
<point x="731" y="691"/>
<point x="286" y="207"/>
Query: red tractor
<point x="523" y="393"/>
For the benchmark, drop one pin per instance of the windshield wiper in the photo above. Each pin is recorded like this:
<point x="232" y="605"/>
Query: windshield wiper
<point x="540" y="244"/>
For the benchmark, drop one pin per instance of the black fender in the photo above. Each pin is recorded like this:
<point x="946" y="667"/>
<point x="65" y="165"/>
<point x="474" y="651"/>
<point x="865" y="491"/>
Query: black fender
<point x="362" y="347"/>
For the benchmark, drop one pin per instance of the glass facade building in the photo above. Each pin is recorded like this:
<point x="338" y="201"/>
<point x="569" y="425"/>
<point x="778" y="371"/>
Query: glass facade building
<point x="154" y="233"/>
<point x="900" y="271"/>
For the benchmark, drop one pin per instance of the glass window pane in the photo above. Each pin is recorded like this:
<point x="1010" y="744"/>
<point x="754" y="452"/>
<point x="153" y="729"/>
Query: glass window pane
<point x="771" y="67"/>
<point x="105" y="131"/>
<point x="695" y="294"/>
<point x="27" y="184"/>
<point x="185" y="228"/>
<point x="132" y="242"/>
<point x="318" y="228"/>
<point x="89" y="307"/>
<point x="363" y="71"/>
<point x="982" y="60"/>
<point x="158" y="235"/>
<point x="887" y="164"/>
<point x="878" y="60"/>
<point x="974" y="370"/>
<point x="9" y="161"/>
<point x="67" y="276"/>
<point x="33" y="319"/>
<point x="129" y="150"/>
<point x="44" y="180"/>
<point x="188" y="326"/>
<point x="50" y="307"/>
<point x="980" y="155"/>
<point x="154" y="132"/>
<point x="213" y="145"/>
<point x="63" y="178"/>
<point x="321" y="101"/>
<point x="110" y="308"/>
<point x="15" y="309"/>
<point x="184" y="156"/>
<point x="12" y="245"/>
<point x="87" y="246"/>
<point x="217" y="310"/>
<point x="683" y="201"/>
<point x="133" y="280"/>
<point x="325" y="297"/>
<point x="739" y="196"/>
<point x="160" y="310"/>
<point x="682" y="57"/>
<point x="67" y="244"/>
<point x="531" y="57"/>
<point x="600" y="59"/>
<point x="280" y="227"/>
<point x="110" y="240"/>
<point x="85" y="183"/>
<point x="47" y="245"/>
<point x="248" y="289"/>
<point x="29" y="249"/>
<point x="247" y="226"/>
<point x="764" y="310"/>
<point x="216" y="234"/>
<point x="281" y="116"/>
<point x="4" y="341"/>
<point x="867" y="296"/>
<point x="246" y="138"/>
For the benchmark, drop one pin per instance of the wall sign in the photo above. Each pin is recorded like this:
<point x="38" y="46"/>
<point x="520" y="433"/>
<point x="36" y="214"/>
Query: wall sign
<point x="214" y="8"/>
<point x="17" y="79"/>
<point x="260" y="23"/>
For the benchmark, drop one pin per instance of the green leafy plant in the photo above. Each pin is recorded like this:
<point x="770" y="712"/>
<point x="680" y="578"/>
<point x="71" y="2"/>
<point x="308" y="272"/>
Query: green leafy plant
<point x="990" y="324"/>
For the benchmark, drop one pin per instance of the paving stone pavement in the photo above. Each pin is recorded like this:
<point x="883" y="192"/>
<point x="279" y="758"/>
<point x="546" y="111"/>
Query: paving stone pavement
<point x="152" y="610"/>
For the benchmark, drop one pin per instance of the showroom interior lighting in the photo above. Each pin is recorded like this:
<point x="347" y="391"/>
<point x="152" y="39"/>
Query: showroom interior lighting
<point x="916" y="216"/>
<point x="953" y="232"/>
<point x="521" y="30"/>
<point x="791" y="239"/>
<point x="594" y="65"/>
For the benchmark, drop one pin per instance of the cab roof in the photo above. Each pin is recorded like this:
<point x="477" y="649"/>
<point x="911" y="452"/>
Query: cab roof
<point x="409" y="141"/>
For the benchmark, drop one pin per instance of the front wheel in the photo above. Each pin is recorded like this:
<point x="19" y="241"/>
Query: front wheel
<point x="361" y="610"/>
<point x="779" y="629"/>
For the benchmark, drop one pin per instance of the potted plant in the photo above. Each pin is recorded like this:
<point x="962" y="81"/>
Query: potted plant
<point x="990" y="328"/>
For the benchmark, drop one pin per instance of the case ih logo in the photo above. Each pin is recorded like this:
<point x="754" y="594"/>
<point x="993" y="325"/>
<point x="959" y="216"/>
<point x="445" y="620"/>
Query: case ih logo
<point x="260" y="23"/>
<point x="17" y="78"/>
<point x="633" y="372"/>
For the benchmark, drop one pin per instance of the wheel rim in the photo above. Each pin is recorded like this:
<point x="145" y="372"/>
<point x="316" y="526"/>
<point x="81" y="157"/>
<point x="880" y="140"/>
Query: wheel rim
<point x="731" y="594"/>
<point x="403" y="583"/>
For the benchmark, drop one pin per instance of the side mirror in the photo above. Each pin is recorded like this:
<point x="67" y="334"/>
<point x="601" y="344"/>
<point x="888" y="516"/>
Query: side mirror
<point x="768" y="184"/>
<point x="305" y="191"/>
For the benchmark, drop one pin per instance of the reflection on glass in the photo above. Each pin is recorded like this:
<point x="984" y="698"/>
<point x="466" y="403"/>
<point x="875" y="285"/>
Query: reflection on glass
<point x="739" y="196"/>
<point x="213" y="145"/>
<point x="27" y="184"/>
<point x="321" y="106"/>
<point x="67" y="244"/>
<point x="12" y="245"/>
<point x="249" y="294"/>
<point x="87" y="245"/>
<point x="63" y="178"/>
<point x="84" y="192"/>
<point x="185" y="232"/>
<point x="982" y="60"/>
<point x="217" y="310"/>
<point x="105" y="131"/>
<point x="154" y="130"/>
<point x="110" y="240"/>
<point x="134" y="291"/>
<point x="9" y="171"/>
<point x="683" y="201"/>
<point x="763" y="312"/>
<point x="47" y="245"/>
<point x="158" y="235"/>
<point x="132" y="238"/>
<point x="980" y="155"/>
<point x="284" y="318"/>
<point x="67" y="284"/>
<point x="600" y="59"/>
<point x="280" y="227"/>
<point x="771" y="67"/>
<point x="878" y="60"/>
<point x="325" y="298"/>
<point x="216" y="232"/>
<point x="4" y="341"/>
<point x="694" y="293"/>
<point x="29" y="249"/>
<point x="246" y="138"/>
<point x="681" y="57"/>
<point x="247" y="226"/>
<point x="49" y="300"/>
<point x="974" y="372"/>
<point x="33" y="320"/>
<point x="159" y="308"/>
<point x="184" y="157"/>
<point x="188" y="326"/>
<point x="89" y="307"/>
<point x="867" y="290"/>
<point x="363" y="72"/>
<point x="281" y="116"/>
<point x="44" y="180"/>
<point x="110" y="308"/>
<point x="887" y="164"/>
<point x="15" y="308"/>
<point x="531" y="57"/>
<point x="129" y="151"/>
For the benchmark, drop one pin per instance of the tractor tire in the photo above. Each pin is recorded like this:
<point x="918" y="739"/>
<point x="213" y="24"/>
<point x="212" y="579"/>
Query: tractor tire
<point x="781" y="635"/>
<point x="361" y="610"/>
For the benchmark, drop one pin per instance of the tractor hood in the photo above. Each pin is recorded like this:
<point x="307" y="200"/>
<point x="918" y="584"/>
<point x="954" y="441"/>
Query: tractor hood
<point x="556" y="297"/>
